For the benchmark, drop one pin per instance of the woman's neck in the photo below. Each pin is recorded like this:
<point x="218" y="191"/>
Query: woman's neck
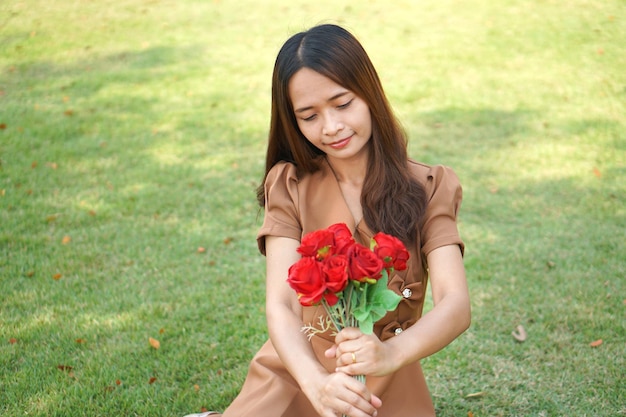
<point x="349" y="172"/>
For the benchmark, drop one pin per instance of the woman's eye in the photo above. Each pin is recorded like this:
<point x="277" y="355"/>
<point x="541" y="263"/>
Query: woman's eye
<point x="308" y="119"/>
<point x="345" y="105"/>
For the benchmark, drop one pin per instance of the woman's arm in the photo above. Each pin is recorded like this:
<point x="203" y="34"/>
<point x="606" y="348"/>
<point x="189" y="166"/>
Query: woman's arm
<point x="449" y="318"/>
<point x="329" y="393"/>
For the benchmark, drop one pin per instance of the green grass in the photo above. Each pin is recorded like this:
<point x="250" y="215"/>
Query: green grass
<point x="138" y="130"/>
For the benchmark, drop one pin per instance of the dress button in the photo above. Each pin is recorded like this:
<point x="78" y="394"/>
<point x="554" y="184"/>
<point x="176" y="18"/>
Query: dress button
<point x="407" y="293"/>
<point x="398" y="331"/>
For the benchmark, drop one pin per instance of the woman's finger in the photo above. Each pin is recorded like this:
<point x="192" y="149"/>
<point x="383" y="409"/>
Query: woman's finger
<point x="349" y="333"/>
<point x="331" y="352"/>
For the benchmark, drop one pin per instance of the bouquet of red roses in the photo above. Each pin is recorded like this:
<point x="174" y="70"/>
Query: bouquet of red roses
<point x="347" y="278"/>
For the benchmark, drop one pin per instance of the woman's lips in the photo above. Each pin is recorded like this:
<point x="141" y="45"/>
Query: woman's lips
<point x="340" y="143"/>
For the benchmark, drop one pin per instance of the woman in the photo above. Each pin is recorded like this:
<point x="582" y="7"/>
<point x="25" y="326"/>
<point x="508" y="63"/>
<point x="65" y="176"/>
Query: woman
<point x="336" y="154"/>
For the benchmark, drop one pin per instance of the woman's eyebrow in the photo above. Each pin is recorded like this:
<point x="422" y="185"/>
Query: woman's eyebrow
<point x="335" y="97"/>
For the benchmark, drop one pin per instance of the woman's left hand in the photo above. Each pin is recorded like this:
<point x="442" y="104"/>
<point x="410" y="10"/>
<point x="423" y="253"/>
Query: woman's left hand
<point x="357" y="353"/>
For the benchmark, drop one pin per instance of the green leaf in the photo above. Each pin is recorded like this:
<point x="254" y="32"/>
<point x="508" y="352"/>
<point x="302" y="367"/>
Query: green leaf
<point x="367" y="326"/>
<point x="371" y="303"/>
<point x="390" y="300"/>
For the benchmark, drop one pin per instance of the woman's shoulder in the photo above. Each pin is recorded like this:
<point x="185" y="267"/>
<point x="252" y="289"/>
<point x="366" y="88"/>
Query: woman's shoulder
<point x="289" y="171"/>
<point x="431" y="173"/>
<point x="282" y="172"/>
<point x="284" y="178"/>
<point x="437" y="180"/>
<point x="282" y="168"/>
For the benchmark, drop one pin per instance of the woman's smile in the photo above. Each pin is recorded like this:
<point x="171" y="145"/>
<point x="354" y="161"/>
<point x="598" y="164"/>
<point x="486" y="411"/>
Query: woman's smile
<point x="340" y="144"/>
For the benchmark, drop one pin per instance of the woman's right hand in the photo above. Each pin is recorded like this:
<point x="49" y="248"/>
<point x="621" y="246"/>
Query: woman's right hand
<point x="341" y="394"/>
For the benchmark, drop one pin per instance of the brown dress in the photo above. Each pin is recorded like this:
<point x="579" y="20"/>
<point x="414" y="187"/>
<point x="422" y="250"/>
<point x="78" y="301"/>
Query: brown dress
<point x="295" y="206"/>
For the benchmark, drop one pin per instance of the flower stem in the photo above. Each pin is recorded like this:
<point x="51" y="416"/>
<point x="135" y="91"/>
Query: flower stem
<point x="331" y="313"/>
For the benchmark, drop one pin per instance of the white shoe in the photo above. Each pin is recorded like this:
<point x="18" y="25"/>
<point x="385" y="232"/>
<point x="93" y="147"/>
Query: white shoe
<point x="207" y="414"/>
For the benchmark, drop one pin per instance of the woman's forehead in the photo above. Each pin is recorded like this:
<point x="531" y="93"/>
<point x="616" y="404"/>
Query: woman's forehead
<point x="308" y="87"/>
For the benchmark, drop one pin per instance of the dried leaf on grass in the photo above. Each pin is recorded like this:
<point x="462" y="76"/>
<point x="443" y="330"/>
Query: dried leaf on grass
<point x="154" y="343"/>
<point x="596" y="343"/>
<point x="597" y="172"/>
<point x="519" y="334"/>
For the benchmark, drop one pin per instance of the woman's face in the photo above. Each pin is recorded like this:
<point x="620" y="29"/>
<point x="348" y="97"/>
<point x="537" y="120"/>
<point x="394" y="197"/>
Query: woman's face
<point x="332" y="118"/>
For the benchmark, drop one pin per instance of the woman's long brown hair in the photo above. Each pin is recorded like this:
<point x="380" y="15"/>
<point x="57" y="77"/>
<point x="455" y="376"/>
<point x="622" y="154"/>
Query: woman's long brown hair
<point x="393" y="201"/>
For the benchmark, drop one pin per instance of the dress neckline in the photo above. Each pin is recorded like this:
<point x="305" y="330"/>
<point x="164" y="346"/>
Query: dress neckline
<point x="357" y="226"/>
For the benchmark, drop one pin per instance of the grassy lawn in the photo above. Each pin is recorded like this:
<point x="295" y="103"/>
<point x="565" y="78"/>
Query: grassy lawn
<point x="132" y="136"/>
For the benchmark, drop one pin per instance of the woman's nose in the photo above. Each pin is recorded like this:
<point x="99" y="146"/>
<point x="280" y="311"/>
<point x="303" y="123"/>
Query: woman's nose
<point x="332" y="125"/>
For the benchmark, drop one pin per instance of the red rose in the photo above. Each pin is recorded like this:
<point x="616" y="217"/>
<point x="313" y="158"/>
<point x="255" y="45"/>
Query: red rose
<point x="306" y="277"/>
<point x="363" y="264"/>
<point x="317" y="244"/>
<point x="391" y="250"/>
<point x="342" y="238"/>
<point x="331" y="298"/>
<point x="336" y="270"/>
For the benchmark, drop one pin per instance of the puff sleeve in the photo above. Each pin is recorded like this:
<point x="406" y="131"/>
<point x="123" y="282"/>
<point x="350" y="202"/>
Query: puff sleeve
<point x="439" y="227"/>
<point x="281" y="205"/>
